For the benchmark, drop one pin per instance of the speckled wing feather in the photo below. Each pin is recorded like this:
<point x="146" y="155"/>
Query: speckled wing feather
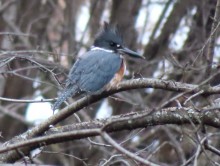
<point x="90" y="74"/>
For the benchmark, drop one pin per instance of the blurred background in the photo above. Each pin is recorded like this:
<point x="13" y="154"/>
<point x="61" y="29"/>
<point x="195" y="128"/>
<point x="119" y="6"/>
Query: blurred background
<point x="41" y="39"/>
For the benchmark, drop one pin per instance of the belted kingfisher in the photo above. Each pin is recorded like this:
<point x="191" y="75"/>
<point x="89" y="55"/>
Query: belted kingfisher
<point x="98" y="69"/>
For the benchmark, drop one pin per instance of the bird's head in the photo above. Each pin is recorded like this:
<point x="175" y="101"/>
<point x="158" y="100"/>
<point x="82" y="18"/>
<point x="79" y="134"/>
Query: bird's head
<point x="109" y="39"/>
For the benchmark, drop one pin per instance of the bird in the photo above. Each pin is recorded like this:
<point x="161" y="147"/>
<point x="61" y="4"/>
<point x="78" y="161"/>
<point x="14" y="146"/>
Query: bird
<point x="102" y="67"/>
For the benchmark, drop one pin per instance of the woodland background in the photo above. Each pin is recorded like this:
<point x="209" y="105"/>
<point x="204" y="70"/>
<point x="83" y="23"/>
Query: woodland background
<point x="166" y="113"/>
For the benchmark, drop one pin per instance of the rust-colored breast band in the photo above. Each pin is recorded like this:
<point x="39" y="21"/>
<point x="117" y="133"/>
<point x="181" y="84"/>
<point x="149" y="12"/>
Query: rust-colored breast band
<point x="118" y="76"/>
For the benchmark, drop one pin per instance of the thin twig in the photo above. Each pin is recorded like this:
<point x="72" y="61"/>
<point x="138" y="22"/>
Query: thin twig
<point x="26" y="101"/>
<point x="124" y="151"/>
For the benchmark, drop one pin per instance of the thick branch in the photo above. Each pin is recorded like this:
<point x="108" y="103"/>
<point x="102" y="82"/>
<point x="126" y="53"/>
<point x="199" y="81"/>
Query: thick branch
<point x="78" y="105"/>
<point x="129" y="121"/>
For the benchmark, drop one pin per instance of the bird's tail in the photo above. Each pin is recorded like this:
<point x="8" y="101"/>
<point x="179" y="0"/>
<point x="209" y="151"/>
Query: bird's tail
<point x="67" y="92"/>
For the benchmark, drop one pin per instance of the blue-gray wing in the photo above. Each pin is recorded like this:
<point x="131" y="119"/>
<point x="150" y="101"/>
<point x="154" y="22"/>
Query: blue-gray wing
<point x="94" y="70"/>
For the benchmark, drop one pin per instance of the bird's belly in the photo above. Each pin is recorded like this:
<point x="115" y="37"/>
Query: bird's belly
<point x="118" y="76"/>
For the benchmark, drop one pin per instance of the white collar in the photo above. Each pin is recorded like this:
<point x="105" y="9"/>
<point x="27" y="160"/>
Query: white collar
<point x="93" y="48"/>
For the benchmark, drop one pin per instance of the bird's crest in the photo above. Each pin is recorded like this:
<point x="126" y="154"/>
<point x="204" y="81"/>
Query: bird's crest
<point x="111" y="28"/>
<point x="108" y="34"/>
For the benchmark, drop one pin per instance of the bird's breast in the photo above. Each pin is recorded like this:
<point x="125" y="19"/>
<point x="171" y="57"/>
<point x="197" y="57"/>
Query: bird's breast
<point x="118" y="76"/>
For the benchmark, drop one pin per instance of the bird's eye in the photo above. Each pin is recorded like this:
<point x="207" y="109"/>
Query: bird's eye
<point x="112" y="44"/>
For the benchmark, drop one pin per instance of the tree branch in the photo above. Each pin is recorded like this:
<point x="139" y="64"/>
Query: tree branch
<point x="124" y="151"/>
<point x="81" y="103"/>
<point x="172" y="115"/>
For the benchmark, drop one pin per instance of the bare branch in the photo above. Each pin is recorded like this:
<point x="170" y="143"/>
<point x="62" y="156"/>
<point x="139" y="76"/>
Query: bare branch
<point x="126" y="85"/>
<point x="129" y="121"/>
<point x="124" y="151"/>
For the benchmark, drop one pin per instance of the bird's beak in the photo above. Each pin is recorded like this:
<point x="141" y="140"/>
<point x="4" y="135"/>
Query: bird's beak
<point x="130" y="53"/>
